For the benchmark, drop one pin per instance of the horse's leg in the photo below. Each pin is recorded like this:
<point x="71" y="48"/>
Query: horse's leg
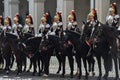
<point x="78" y="60"/>
<point x="42" y="62"/>
<point x="63" y="64"/>
<point x="12" y="60"/>
<point x="71" y="63"/>
<point x="119" y="63"/>
<point x="99" y="67"/>
<point x="91" y="63"/>
<point x="19" y="66"/>
<point x="85" y="66"/>
<point x="24" y="62"/>
<point x="77" y="72"/>
<point x="38" y="60"/>
<point x="19" y="63"/>
<point x="30" y="66"/>
<point x="106" y="66"/>
<point x="2" y="62"/>
<point x="47" y="61"/>
<point x="7" y="63"/>
<point x="34" y="64"/>
<point x="116" y="67"/>
<point x="59" y="60"/>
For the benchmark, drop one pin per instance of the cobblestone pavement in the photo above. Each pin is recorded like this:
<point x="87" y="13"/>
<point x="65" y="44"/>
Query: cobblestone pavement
<point x="53" y="75"/>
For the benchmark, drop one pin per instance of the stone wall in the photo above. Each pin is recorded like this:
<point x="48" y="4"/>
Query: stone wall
<point x="51" y="5"/>
<point x="82" y="8"/>
<point x="23" y="8"/>
<point x="1" y="7"/>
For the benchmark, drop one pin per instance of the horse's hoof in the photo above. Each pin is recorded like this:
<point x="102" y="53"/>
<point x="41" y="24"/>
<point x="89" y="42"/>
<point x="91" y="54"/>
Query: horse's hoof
<point x="99" y="78"/>
<point x="28" y="70"/>
<point x="10" y="66"/>
<point x="7" y="72"/>
<point x="62" y="75"/>
<point x="33" y="73"/>
<point x="105" y="77"/>
<point x="45" y="75"/>
<point x="117" y="78"/>
<point x="58" y="72"/>
<point x="39" y="74"/>
<point x="76" y="73"/>
<point x="79" y="76"/>
<point x="19" y="74"/>
<point x="93" y="73"/>
<point x="5" y="68"/>
<point x="86" y="77"/>
<point x="16" y="69"/>
<point x="71" y="76"/>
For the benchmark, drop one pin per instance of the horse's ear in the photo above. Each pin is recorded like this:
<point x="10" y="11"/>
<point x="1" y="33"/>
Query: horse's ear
<point x="83" y="22"/>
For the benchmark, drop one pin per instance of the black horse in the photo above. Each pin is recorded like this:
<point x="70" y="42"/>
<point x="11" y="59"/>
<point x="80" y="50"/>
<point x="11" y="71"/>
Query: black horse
<point x="82" y="49"/>
<point x="62" y="49"/>
<point x="32" y="52"/>
<point x="9" y="48"/>
<point x="105" y="46"/>
<point x="23" y="37"/>
<point x="1" y="54"/>
<point x="46" y="50"/>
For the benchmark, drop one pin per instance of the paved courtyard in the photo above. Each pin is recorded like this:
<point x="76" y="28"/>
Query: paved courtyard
<point x="53" y="75"/>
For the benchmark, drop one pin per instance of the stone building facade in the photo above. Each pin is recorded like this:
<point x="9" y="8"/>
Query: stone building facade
<point x="37" y="7"/>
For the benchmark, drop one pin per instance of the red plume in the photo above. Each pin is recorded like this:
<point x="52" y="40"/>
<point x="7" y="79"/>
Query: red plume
<point x="17" y="15"/>
<point x="72" y="12"/>
<point x="29" y="16"/>
<point x="94" y="11"/>
<point x="59" y="13"/>
<point x="0" y="17"/>
<point x="46" y="15"/>
<point x="114" y="5"/>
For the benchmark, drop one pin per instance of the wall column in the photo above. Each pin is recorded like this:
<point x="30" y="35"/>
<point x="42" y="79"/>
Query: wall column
<point x="36" y="9"/>
<point x="102" y="7"/>
<point x="65" y="6"/>
<point x="11" y="7"/>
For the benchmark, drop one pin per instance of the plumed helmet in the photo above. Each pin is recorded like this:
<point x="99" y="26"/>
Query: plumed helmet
<point x="60" y="15"/>
<point x="95" y="13"/>
<point x="114" y="6"/>
<point x="8" y="20"/>
<point x="30" y="18"/>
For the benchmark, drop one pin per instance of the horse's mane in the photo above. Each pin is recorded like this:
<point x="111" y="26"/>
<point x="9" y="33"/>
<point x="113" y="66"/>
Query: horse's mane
<point x="108" y="31"/>
<point x="34" y="40"/>
<point x="11" y="36"/>
<point x="72" y="33"/>
<point x="53" y="37"/>
<point x="28" y="35"/>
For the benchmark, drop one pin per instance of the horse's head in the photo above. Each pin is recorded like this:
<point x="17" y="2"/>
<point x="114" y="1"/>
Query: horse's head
<point x="43" y="47"/>
<point x="72" y="36"/>
<point x="20" y="33"/>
